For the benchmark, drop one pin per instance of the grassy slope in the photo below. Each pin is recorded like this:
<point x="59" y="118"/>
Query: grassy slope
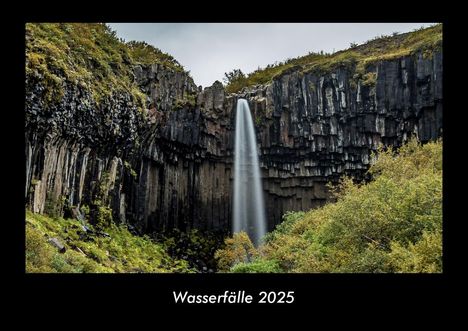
<point x="379" y="49"/>
<point x="392" y="224"/>
<point x="121" y="252"/>
<point x="87" y="54"/>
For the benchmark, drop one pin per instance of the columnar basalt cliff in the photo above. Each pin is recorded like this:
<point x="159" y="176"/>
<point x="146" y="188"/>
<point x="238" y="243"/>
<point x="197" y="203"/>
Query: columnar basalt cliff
<point x="170" y="165"/>
<point x="315" y="127"/>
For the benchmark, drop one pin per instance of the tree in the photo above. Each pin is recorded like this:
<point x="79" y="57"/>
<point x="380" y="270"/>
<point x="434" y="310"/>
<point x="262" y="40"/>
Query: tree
<point x="235" y="80"/>
<point x="238" y="248"/>
<point x="233" y="76"/>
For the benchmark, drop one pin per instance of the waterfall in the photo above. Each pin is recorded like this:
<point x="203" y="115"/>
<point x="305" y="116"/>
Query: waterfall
<point x="248" y="205"/>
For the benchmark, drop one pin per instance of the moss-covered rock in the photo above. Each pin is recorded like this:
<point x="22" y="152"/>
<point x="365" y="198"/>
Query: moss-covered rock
<point x="89" y="55"/>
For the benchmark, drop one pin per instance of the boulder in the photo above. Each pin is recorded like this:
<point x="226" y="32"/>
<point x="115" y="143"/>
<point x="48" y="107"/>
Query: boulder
<point x="57" y="244"/>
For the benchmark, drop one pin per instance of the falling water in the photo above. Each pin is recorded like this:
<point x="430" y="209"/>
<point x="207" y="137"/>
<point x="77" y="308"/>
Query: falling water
<point x="249" y="210"/>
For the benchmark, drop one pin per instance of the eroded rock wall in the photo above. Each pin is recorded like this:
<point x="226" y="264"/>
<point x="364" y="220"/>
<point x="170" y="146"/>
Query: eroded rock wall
<point x="171" y="166"/>
<point x="314" y="127"/>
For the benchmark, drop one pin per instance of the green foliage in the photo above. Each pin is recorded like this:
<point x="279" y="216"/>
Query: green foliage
<point x="237" y="249"/>
<point x="129" y="168"/>
<point x="89" y="55"/>
<point x="100" y="214"/>
<point x="358" y="57"/>
<point x="85" y="210"/>
<point x="258" y="120"/>
<point x="90" y="252"/>
<point x="54" y="206"/>
<point x="391" y="224"/>
<point x="289" y="218"/>
<point x="143" y="53"/>
<point x="194" y="246"/>
<point x="369" y="78"/>
<point x="235" y="80"/>
<point x="189" y="100"/>
<point x="38" y="252"/>
<point x="256" y="266"/>
<point x="424" y="256"/>
<point x="103" y="217"/>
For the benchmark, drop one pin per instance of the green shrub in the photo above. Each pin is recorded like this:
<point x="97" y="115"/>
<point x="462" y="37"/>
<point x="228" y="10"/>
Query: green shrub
<point x="391" y="224"/>
<point x="189" y="100"/>
<point x="369" y="79"/>
<point x="85" y="210"/>
<point x="39" y="253"/>
<point x="143" y="53"/>
<point x="54" y="207"/>
<point x="129" y="168"/>
<point x="103" y="216"/>
<point x="194" y="246"/>
<point x="289" y="218"/>
<point x="238" y="248"/>
<point x="423" y="256"/>
<point x="256" y="266"/>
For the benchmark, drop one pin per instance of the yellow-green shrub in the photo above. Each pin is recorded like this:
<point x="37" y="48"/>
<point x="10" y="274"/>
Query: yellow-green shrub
<point x="256" y="266"/>
<point x="238" y="248"/>
<point x="391" y="224"/>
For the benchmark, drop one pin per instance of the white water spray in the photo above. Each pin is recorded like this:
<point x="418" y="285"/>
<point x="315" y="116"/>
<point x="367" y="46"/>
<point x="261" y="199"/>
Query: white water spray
<point x="248" y="205"/>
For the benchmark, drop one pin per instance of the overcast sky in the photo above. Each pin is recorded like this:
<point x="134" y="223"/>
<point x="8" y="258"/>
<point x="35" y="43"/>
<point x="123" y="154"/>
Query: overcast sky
<point x="209" y="50"/>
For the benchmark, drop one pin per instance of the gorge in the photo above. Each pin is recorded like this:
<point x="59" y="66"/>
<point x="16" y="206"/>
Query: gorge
<point x="157" y="152"/>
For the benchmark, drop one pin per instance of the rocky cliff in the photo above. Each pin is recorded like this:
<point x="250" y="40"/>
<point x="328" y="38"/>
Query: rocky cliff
<point x="170" y="164"/>
<point x="314" y="127"/>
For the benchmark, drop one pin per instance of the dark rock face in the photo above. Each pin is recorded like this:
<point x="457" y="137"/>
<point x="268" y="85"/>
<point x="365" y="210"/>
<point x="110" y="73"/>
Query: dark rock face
<point x="71" y="143"/>
<point x="172" y="166"/>
<point x="185" y="169"/>
<point x="313" y="128"/>
<point x="162" y="85"/>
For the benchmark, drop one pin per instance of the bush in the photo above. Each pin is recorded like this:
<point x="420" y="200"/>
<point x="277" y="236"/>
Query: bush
<point x="143" y="53"/>
<point x="289" y="218"/>
<point x="39" y="253"/>
<point x="85" y="210"/>
<point x="423" y="256"/>
<point x="256" y="266"/>
<point x="238" y="248"/>
<point x="103" y="216"/>
<point x="391" y="224"/>
<point x="194" y="246"/>
<point x="234" y="80"/>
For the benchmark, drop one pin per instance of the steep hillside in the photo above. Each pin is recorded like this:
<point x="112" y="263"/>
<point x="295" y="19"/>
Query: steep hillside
<point x="380" y="48"/>
<point x="88" y="55"/>
<point x="69" y="246"/>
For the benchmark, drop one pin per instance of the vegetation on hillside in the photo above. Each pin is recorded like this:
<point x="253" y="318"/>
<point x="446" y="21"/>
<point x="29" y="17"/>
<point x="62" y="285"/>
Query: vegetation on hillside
<point x="90" y="250"/>
<point x="87" y="54"/>
<point x="391" y="224"/>
<point x="144" y="53"/>
<point x="381" y="48"/>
